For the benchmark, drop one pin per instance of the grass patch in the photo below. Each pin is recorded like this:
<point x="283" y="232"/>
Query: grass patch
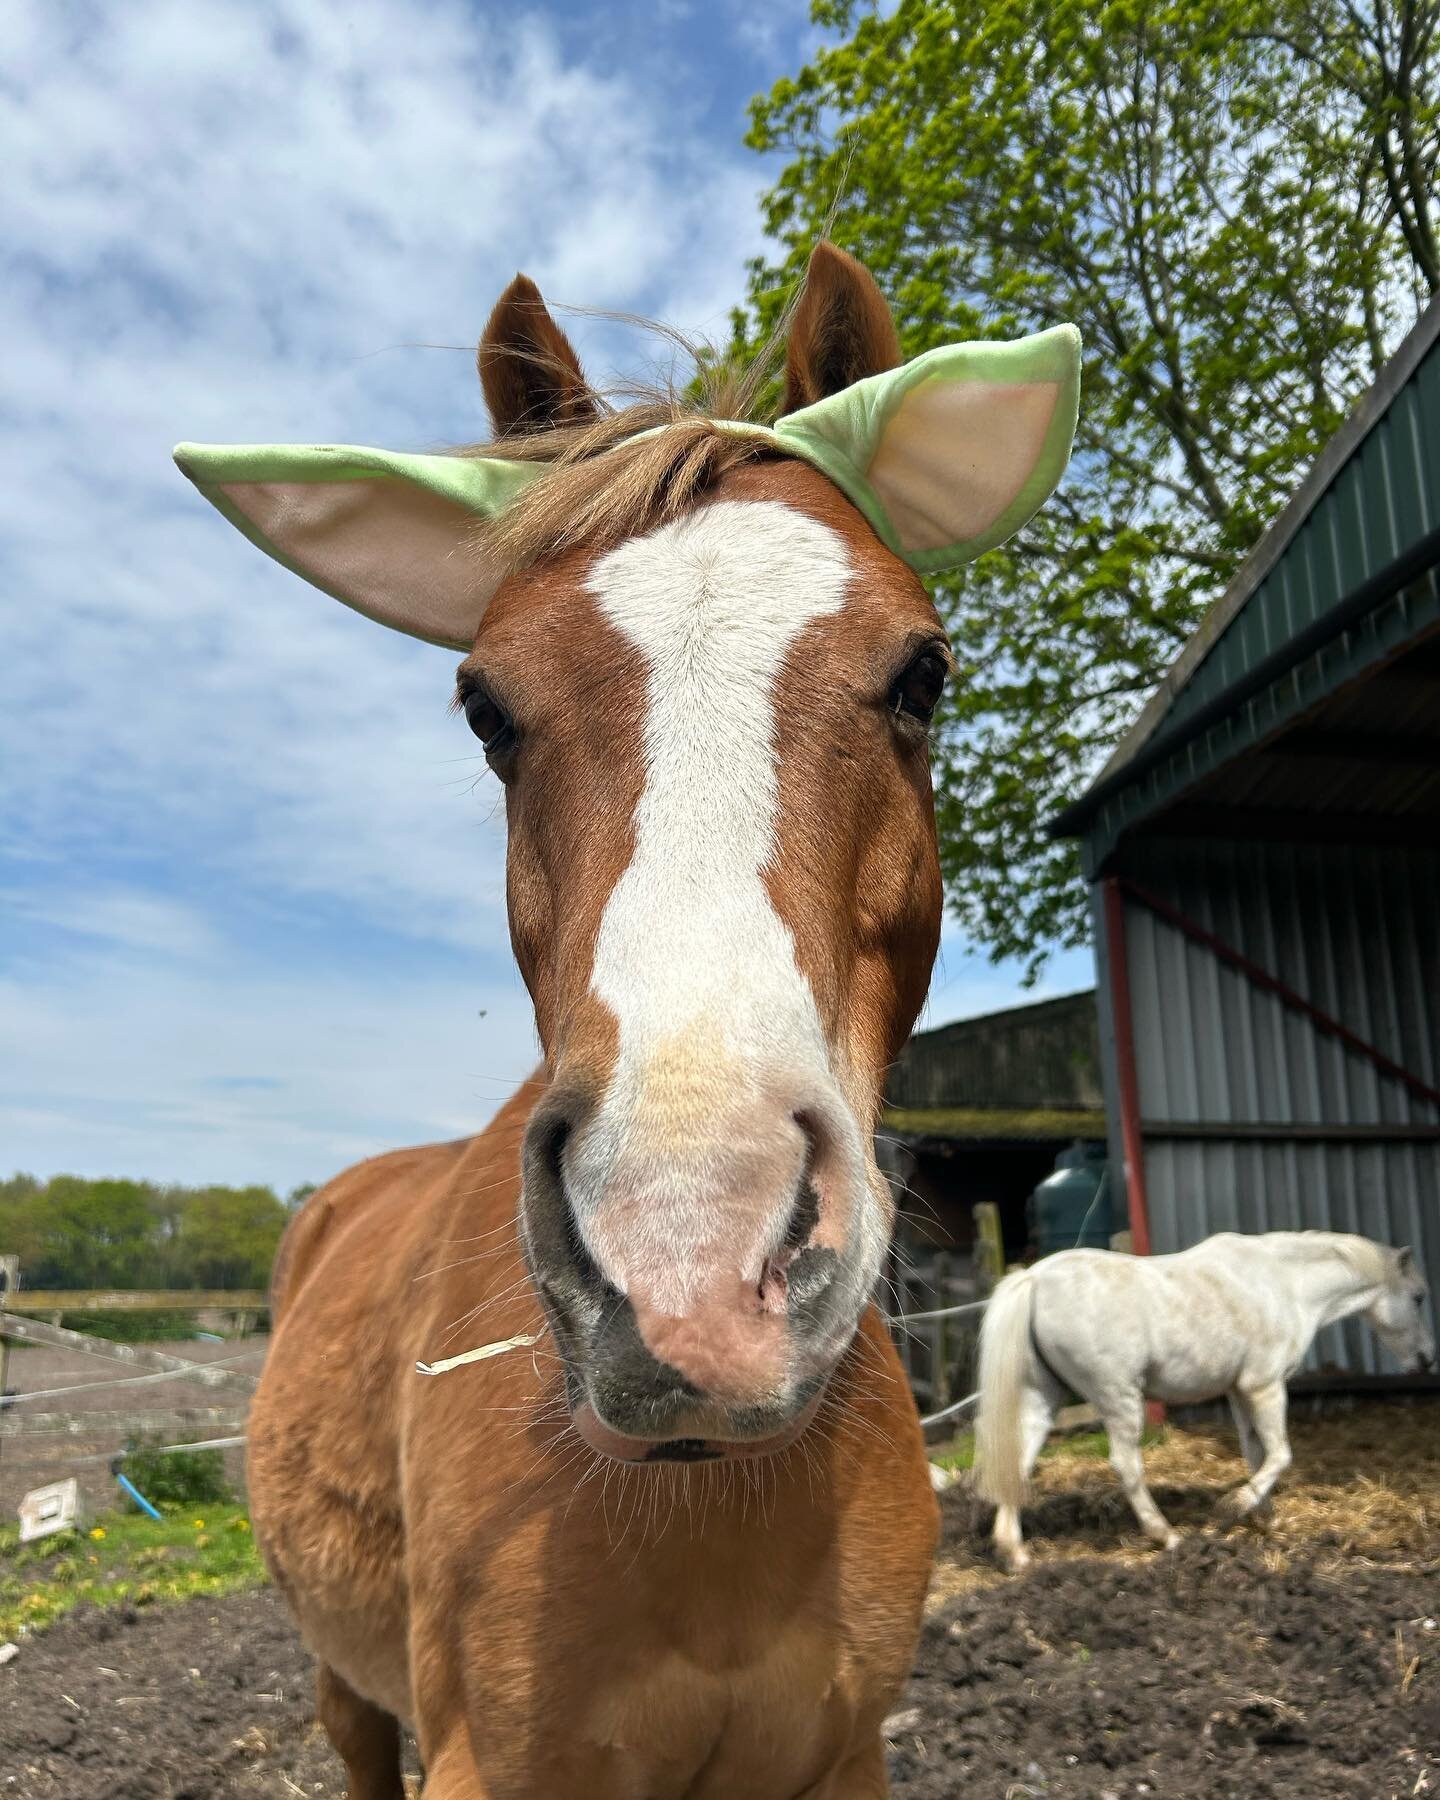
<point x="959" y="1453"/>
<point x="125" y="1560"/>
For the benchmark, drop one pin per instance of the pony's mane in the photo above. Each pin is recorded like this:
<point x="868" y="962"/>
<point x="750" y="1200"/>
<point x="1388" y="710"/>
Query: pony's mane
<point x="630" y="468"/>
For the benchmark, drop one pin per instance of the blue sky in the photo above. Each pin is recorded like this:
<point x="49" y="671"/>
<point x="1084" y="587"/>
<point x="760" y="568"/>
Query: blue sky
<point x="251" y="870"/>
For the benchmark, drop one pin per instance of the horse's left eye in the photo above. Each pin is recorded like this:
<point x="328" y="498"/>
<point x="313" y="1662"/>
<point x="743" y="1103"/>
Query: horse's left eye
<point x="918" y="689"/>
<point x="489" y="721"/>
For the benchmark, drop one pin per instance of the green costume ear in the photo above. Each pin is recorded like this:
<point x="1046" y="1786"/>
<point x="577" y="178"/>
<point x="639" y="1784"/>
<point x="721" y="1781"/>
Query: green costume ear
<point x="397" y="537"/>
<point x="949" y="454"/>
<point x="945" y="457"/>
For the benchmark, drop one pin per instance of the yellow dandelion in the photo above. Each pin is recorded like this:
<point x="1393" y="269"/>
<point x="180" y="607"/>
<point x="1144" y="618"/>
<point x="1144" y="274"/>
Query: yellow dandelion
<point x="199" y="1524"/>
<point x="98" y="1532"/>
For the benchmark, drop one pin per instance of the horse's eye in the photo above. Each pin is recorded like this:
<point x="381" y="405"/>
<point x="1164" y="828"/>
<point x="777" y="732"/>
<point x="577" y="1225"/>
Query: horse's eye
<point x="490" y="722"/>
<point x="919" y="687"/>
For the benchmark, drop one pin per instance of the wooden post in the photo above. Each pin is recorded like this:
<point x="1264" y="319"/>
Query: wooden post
<point x="9" y="1281"/>
<point x="942" y="1336"/>
<point x="989" y="1254"/>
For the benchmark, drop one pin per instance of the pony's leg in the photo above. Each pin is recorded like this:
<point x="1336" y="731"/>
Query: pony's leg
<point x="1250" y="1446"/>
<point x="1266" y="1406"/>
<point x="1124" y="1420"/>
<point x="366" y="1739"/>
<point x="1037" y="1415"/>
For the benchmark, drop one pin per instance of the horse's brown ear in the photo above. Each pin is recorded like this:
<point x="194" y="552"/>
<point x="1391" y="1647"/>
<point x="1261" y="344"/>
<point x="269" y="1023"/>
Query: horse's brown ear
<point x="842" y="330"/>
<point x="529" y="372"/>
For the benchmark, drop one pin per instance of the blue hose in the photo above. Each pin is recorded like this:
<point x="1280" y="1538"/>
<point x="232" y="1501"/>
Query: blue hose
<point x="135" y="1494"/>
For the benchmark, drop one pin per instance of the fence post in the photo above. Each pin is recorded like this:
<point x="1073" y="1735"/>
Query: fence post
<point x="989" y="1257"/>
<point x="942" y="1334"/>
<point x="9" y="1281"/>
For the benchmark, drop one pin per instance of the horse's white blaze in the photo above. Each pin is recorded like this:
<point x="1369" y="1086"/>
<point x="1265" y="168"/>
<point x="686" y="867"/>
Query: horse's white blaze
<point x="716" y="1021"/>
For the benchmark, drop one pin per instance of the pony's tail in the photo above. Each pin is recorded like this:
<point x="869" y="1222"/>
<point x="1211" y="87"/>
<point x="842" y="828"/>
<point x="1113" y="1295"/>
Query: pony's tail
<point x="1004" y="1359"/>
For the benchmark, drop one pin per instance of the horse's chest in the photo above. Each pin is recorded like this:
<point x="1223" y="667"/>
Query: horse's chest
<point x="704" y="1726"/>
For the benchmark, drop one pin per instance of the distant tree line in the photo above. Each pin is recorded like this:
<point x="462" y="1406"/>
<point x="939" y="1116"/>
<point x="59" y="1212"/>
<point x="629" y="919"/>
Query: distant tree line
<point x="70" y="1232"/>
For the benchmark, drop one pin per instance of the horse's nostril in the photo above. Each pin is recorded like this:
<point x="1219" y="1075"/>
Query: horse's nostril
<point x="804" y="1216"/>
<point x="553" y="1147"/>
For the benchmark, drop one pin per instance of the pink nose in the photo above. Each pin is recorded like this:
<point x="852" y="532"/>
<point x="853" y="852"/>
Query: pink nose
<point x="730" y="1345"/>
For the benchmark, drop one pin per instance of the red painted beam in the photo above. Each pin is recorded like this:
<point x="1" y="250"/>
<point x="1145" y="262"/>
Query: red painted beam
<point x="1262" y="978"/>
<point x="1127" y="1080"/>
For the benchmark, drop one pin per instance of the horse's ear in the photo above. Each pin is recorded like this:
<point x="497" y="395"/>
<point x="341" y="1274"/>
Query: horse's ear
<point x="842" y="330"/>
<point x="529" y="372"/>
<point x="400" y="538"/>
<point x="949" y="455"/>
<point x="1405" y="1259"/>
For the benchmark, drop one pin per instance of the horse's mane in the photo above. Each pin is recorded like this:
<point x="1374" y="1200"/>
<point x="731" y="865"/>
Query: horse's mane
<point x="628" y="468"/>
<point x="1366" y="1258"/>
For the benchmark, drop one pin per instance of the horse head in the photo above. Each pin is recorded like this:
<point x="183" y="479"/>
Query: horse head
<point x="1397" y="1315"/>
<point x="701" y="660"/>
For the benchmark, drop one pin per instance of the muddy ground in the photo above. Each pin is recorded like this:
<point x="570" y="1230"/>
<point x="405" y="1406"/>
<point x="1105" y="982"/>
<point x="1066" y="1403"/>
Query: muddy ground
<point x="1302" y="1660"/>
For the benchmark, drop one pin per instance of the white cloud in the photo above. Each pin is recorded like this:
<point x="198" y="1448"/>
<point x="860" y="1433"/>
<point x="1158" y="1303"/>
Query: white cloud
<point x="222" y="1072"/>
<point x="133" y="921"/>
<point x="235" y="222"/>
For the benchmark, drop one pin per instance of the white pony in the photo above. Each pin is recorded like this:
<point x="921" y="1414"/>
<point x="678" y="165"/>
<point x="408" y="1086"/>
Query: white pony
<point x="1234" y="1316"/>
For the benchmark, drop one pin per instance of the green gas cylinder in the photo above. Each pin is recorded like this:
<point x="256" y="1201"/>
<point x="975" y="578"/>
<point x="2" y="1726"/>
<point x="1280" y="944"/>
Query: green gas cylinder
<point x="1071" y="1208"/>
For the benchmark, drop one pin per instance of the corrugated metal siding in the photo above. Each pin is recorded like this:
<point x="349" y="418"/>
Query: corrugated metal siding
<point x="1357" y="931"/>
<point x="1381" y="503"/>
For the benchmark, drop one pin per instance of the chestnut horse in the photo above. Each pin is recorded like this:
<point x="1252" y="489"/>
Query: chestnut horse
<point x="679" y="1546"/>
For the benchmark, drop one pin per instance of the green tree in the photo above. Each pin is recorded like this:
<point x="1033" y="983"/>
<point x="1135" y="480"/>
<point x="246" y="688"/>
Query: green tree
<point x="227" y="1236"/>
<point x="1234" y="203"/>
<point x="77" y="1233"/>
<point x="86" y="1234"/>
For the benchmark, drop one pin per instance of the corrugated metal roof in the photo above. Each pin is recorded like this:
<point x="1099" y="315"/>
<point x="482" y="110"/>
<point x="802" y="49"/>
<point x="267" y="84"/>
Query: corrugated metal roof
<point x="1363" y="532"/>
<point x="1362" y="767"/>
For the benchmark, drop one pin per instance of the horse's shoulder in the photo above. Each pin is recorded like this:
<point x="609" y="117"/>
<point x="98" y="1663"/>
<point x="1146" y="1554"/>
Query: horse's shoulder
<point x="393" y="1194"/>
<point x="365" y="1188"/>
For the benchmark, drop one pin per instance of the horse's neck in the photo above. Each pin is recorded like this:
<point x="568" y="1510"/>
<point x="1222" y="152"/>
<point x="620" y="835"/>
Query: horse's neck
<point x="1333" y="1279"/>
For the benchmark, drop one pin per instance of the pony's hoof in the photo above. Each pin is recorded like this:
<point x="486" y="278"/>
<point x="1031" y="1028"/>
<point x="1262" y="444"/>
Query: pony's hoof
<point x="1015" y="1561"/>
<point x="1171" y="1540"/>
<point x="1236" y="1505"/>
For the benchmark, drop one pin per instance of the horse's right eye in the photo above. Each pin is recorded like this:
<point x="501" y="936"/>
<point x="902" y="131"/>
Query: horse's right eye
<point x="487" y="719"/>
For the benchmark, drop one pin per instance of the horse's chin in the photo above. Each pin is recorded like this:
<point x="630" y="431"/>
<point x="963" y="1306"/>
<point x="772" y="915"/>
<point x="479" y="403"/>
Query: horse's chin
<point x="620" y="1447"/>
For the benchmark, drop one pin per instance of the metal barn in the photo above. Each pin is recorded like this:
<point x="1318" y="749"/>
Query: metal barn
<point x="1263" y="850"/>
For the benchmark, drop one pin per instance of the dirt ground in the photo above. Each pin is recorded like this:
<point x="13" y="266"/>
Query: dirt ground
<point x="1302" y="1659"/>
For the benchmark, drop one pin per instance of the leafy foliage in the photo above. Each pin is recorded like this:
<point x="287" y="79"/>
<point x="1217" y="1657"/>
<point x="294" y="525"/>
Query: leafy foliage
<point x="176" y="1477"/>
<point x="1234" y="202"/>
<point x="132" y="1327"/>
<point x="75" y="1233"/>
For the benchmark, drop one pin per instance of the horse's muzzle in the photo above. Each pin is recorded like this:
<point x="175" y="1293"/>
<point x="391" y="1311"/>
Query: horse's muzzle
<point x="675" y="1344"/>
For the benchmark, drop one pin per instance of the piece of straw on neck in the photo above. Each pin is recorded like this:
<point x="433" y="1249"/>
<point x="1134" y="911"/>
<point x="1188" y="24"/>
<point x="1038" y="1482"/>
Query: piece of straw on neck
<point x="522" y="1342"/>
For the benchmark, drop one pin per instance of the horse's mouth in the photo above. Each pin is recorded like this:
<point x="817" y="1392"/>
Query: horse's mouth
<point x="622" y="1447"/>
